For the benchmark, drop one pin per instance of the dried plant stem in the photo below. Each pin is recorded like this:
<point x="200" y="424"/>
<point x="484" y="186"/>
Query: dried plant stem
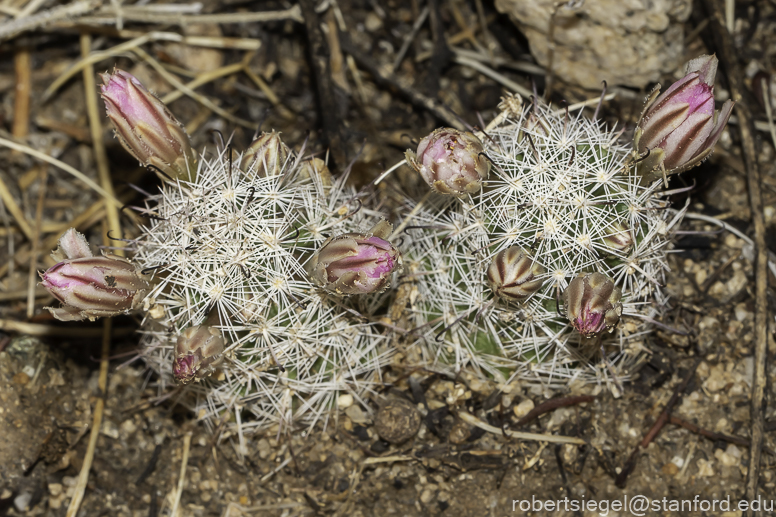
<point x="182" y="478"/>
<point x="32" y="275"/>
<point x="10" y="29"/>
<point x="284" y="111"/>
<point x="730" y="62"/>
<point x="57" y="163"/>
<point x="100" y="155"/>
<point x="146" y="15"/>
<point x="489" y="72"/>
<point x="99" y="406"/>
<point x="189" y="92"/>
<point x="204" y="79"/>
<point x="551" y="438"/>
<point x="194" y="41"/>
<point x="21" y="105"/>
<point x="40" y="329"/>
<point x="16" y="211"/>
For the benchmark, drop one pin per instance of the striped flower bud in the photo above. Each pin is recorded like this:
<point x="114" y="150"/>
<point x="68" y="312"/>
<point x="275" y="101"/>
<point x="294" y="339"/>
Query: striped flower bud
<point x="266" y="156"/>
<point x="680" y="127"/>
<point x="91" y="287"/>
<point x="146" y="128"/>
<point x="450" y="161"/>
<point x="354" y="263"/>
<point x="593" y="304"/>
<point x="513" y="274"/>
<point x="198" y="351"/>
<point x="618" y="239"/>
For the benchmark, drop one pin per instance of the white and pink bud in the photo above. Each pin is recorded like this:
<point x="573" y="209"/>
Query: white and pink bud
<point x="592" y="303"/>
<point x="146" y="128"/>
<point x="354" y="263"/>
<point x="514" y="275"/>
<point x="451" y="161"/>
<point x="198" y="351"/>
<point x="91" y="287"/>
<point x="680" y="127"/>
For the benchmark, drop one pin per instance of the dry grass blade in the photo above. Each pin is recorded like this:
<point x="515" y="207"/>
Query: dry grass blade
<point x="57" y="163"/>
<point x="551" y="438"/>
<point x="10" y="29"/>
<point x="189" y="92"/>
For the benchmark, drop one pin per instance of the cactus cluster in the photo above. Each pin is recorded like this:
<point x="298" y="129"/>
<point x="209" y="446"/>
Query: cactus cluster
<point x="538" y="254"/>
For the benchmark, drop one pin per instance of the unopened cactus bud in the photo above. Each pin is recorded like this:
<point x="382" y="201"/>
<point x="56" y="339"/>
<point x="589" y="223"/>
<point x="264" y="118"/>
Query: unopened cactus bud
<point x="198" y="351"/>
<point x="91" y="287"/>
<point x="618" y="238"/>
<point x="513" y="274"/>
<point x="146" y="128"/>
<point x="451" y="161"/>
<point x="680" y="127"/>
<point x="266" y="156"/>
<point x="593" y="304"/>
<point x="354" y="263"/>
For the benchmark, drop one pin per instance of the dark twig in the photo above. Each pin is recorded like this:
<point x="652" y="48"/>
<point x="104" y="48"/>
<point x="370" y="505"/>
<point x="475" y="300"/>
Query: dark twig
<point x="711" y="435"/>
<point x="735" y="76"/>
<point x="622" y="478"/>
<point x="546" y="407"/>
<point x="319" y="59"/>
<point x="389" y="82"/>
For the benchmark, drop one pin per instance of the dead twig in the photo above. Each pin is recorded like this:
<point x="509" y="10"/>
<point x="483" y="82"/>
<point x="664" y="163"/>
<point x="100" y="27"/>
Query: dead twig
<point x="711" y="435"/>
<point x="550" y="405"/>
<point x="630" y="464"/>
<point x="735" y="76"/>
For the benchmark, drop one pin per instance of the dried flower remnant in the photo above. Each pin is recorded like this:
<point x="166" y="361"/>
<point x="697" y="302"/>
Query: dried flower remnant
<point x="678" y="129"/>
<point x="354" y="263"/>
<point x="593" y="304"/>
<point x="88" y="286"/>
<point x="618" y="239"/>
<point x="451" y="161"/>
<point x="266" y="156"/>
<point x="514" y="275"/>
<point x="198" y="351"/>
<point x="146" y="128"/>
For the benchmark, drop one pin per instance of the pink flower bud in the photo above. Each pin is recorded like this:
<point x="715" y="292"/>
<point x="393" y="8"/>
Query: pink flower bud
<point x="198" y="351"/>
<point x="145" y="127"/>
<point x="89" y="286"/>
<point x="92" y="287"/>
<point x="354" y="263"/>
<point x="592" y="304"/>
<point x="513" y="274"/>
<point x="680" y="127"/>
<point x="266" y="156"/>
<point x="450" y="161"/>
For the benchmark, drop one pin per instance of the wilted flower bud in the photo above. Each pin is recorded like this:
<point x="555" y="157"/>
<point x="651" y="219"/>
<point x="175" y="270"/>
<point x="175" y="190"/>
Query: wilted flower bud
<point x="513" y="274"/>
<point x="91" y="287"/>
<point x="146" y="128"/>
<point x="197" y="353"/>
<point x="680" y="127"/>
<point x="618" y="238"/>
<point x="450" y="161"/>
<point x="266" y="155"/>
<point x="316" y="170"/>
<point x="593" y="304"/>
<point x="354" y="263"/>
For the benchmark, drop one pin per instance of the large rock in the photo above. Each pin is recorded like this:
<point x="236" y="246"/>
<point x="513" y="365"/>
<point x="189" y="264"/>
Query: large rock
<point x="627" y="42"/>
